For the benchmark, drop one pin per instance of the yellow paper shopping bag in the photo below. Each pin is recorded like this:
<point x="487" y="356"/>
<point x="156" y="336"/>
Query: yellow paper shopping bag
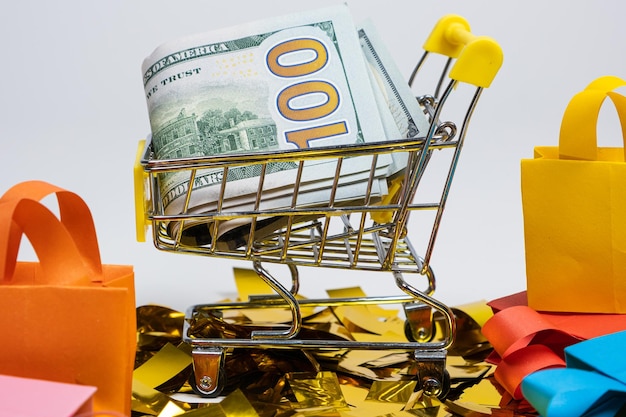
<point x="574" y="207"/>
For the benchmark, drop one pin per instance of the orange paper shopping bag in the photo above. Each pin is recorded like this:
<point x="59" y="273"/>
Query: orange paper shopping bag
<point x="66" y="318"/>
<point x="574" y="206"/>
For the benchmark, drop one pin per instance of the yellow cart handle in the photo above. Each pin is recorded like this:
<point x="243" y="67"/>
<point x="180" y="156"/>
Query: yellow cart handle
<point x="141" y="219"/>
<point x="478" y="58"/>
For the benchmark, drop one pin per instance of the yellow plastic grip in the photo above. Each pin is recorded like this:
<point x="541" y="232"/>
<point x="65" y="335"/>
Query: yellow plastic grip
<point x="478" y="58"/>
<point x="141" y="221"/>
<point x="445" y="38"/>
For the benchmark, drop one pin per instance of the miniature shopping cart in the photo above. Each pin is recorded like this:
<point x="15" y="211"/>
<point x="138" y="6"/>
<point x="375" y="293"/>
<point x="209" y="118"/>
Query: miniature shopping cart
<point x="371" y="235"/>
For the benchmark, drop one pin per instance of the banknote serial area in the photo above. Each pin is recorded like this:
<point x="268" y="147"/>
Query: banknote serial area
<point x="296" y="142"/>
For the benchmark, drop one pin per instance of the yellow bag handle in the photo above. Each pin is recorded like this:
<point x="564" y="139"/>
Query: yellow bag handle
<point x="578" y="135"/>
<point x="606" y="83"/>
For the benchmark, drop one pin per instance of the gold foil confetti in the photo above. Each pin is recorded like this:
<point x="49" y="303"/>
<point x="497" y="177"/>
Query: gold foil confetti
<point x="359" y="407"/>
<point x="483" y="393"/>
<point x="391" y="391"/>
<point x="479" y="311"/>
<point x="162" y="367"/>
<point x="320" y="390"/>
<point x="366" y="318"/>
<point x="249" y="284"/>
<point x="467" y="409"/>
<point x="237" y="405"/>
<point x="469" y="340"/>
<point x="398" y="359"/>
<point x="157" y="325"/>
<point x="341" y="382"/>
<point x="462" y="370"/>
<point x="357" y="292"/>
<point x="146" y="400"/>
<point x="171" y="410"/>
<point x="234" y="405"/>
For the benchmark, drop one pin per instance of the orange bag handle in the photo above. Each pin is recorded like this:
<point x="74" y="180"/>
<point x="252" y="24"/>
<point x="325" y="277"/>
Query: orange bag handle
<point x="60" y="259"/>
<point x="578" y="134"/>
<point x="74" y="212"/>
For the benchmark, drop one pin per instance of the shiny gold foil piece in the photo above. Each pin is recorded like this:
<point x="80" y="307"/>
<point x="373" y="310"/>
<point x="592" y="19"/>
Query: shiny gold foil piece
<point x="359" y="407"/>
<point x="479" y="311"/>
<point x="357" y="292"/>
<point x="171" y="410"/>
<point x="157" y="325"/>
<point x="249" y="284"/>
<point x="366" y="318"/>
<point x="427" y="412"/>
<point x="469" y="341"/>
<point x="320" y="390"/>
<point x="462" y="370"/>
<point x="146" y="400"/>
<point x="483" y="393"/>
<point x="162" y="367"/>
<point x="300" y="383"/>
<point x="355" y="363"/>
<point x="237" y="405"/>
<point x="391" y="391"/>
<point x="468" y="410"/>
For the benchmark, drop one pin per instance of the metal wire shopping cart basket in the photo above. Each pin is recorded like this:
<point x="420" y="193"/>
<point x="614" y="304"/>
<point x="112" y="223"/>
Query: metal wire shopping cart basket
<point x="371" y="235"/>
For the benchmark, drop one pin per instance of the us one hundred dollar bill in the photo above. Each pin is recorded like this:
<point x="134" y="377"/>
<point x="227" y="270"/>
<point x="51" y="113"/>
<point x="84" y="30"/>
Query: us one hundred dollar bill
<point x="291" y="82"/>
<point x="402" y="115"/>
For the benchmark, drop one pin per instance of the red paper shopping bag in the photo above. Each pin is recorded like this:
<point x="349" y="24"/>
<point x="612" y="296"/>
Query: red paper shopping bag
<point x="67" y="318"/>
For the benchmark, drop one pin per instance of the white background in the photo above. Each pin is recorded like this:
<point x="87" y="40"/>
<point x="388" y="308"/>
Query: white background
<point x="72" y="109"/>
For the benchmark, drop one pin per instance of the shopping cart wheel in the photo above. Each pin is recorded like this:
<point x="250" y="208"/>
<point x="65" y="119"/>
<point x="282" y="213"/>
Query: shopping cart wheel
<point x="431" y="373"/>
<point x="221" y="383"/>
<point x="439" y="387"/>
<point x="419" y="325"/>
<point x="418" y="335"/>
<point x="445" y="386"/>
<point x="208" y="377"/>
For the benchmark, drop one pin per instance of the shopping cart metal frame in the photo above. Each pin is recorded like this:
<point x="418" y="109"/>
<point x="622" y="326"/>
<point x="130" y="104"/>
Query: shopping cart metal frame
<point x="358" y="243"/>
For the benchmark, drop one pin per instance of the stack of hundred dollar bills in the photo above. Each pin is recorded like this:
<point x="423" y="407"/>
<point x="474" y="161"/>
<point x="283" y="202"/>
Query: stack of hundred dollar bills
<point x="308" y="80"/>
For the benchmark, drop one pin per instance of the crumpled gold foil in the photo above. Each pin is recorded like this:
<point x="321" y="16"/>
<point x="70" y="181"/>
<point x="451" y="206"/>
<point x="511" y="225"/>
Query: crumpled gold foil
<point x="281" y="382"/>
<point x="163" y="368"/>
<point x="319" y="390"/>
<point x="392" y="391"/>
<point x="156" y="326"/>
<point x="148" y="401"/>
